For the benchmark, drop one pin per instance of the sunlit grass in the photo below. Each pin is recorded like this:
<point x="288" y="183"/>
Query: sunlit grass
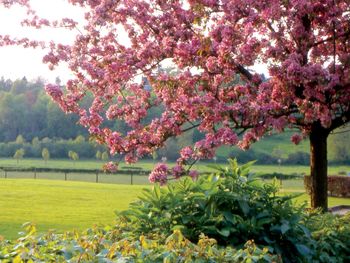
<point x="60" y="205"/>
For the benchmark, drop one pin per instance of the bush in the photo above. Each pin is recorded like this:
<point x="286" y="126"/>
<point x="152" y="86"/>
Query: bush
<point x="337" y="185"/>
<point x="332" y="236"/>
<point x="229" y="206"/>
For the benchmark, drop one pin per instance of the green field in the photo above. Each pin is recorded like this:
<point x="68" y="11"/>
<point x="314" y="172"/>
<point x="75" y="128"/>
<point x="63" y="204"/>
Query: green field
<point x="60" y="205"/>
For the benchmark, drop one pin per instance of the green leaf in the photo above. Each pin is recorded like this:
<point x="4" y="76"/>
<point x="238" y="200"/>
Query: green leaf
<point x="224" y="232"/>
<point x="247" y="165"/>
<point x="229" y="217"/>
<point x="216" y="167"/>
<point x="284" y="228"/>
<point x="302" y="249"/>
<point x="244" y="206"/>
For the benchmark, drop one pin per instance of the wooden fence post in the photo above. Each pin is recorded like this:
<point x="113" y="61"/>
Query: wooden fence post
<point x="65" y="176"/>
<point x="96" y="176"/>
<point x="5" y="174"/>
<point x="132" y="179"/>
<point x="34" y="173"/>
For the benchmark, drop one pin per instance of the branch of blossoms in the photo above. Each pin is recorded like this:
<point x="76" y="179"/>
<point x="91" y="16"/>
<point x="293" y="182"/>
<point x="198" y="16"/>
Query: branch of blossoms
<point x="214" y="89"/>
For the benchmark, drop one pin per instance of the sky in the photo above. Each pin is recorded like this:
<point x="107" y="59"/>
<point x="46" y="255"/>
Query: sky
<point x="16" y="62"/>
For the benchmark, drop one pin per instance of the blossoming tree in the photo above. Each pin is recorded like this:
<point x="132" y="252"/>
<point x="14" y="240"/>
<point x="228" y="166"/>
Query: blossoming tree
<point x="215" y="45"/>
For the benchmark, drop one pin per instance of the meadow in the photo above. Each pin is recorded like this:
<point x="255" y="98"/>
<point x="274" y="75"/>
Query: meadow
<point x="60" y="205"/>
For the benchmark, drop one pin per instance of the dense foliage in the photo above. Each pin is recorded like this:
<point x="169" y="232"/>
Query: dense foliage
<point x="332" y="235"/>
<point x="230" y="207"/>
<point x="116" y="244"/>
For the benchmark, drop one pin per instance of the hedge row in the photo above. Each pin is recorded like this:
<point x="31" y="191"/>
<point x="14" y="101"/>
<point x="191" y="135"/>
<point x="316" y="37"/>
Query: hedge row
<point x="337" y="185"/>
<point x="280" y="176"/>
<point x="131" y="170"/>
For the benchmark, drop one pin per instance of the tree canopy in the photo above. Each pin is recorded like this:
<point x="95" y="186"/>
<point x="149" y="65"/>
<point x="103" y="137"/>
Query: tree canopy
<point x="215" y="45"/>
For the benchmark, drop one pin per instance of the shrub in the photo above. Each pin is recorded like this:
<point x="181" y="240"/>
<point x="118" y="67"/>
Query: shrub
<point x="337" y="185"/>
<point x="332" y="236"/>
<point x="229" y="206"/>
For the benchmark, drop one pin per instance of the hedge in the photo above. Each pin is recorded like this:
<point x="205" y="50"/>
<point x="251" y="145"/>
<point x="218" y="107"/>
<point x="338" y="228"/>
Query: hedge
<point x="131" y="170"/>
<point x="337" y="185"/>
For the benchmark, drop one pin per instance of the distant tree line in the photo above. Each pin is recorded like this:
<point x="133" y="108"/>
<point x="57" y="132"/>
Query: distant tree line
<point x="26" y="110"/>
<point x="52" y="148"/>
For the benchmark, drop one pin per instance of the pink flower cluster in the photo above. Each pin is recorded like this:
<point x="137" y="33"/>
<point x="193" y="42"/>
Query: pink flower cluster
<point x="110" y="167"/>
<point x="159" y="174"/>
<point x="296" y="138"/>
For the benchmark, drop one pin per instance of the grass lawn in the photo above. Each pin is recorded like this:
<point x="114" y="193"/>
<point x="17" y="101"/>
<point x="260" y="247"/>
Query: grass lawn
<point x="60" y="205"/>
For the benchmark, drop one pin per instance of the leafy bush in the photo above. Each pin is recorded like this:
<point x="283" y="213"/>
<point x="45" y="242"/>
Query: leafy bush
<point x="116" y="244"/>
<point x="337" y="185"/>
<point x="332" y="237"/>
<point x="229" y="206"/>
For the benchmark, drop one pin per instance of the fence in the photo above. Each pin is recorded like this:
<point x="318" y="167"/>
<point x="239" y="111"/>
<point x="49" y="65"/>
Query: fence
<point x="137" y="177"/>
<point x="293" y="182"/>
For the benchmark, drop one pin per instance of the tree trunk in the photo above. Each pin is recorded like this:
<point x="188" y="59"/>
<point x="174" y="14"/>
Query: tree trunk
<point x="318" y="165"/>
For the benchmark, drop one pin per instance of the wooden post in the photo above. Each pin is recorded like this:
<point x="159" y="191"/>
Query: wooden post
<point x="132" y="179"/>
<point x="34" y="173"/>
<point x="96" y="176"/>
<point x="65" y="176"/>
<point x="5" y="174"/>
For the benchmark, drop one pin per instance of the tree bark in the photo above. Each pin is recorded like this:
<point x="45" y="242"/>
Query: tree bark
<point x="318" y="166"/>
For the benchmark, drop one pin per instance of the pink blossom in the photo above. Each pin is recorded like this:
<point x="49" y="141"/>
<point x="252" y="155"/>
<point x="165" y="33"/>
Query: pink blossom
<point x="194" y="174"/>
<point x="211" y="64"/>
<point x="296" y="138"/>
<point x="54" y="91"/>
<point x="178" y="171"/>
<point x="159" y="174"/>
<point x="110" y="167"/>
<point x="186" y="153"/>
